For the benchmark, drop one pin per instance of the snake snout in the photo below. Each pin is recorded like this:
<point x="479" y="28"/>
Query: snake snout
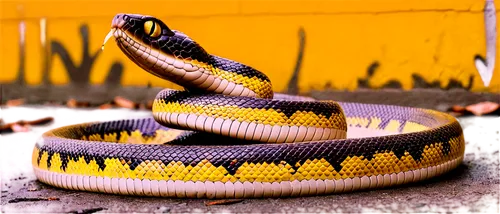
<point x="119" y="20"/>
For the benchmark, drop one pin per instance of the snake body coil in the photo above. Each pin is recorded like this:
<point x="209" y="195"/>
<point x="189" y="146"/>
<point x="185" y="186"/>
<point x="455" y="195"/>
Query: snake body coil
<point x="230" y="136"/>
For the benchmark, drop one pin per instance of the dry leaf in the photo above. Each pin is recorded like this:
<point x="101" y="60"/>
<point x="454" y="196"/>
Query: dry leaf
<point x="483" y="108"/>
<point x="20" y="127"/>
<point x="83" y="104"/>
<point x="124" y="103"/>
<point x="458" y="109"/>
<point x="106" y="106"/>
<point x="223" y="202"/>
<point x="72" y="103"/>
<point x="149" y="104"/>
<point x="15" y="102"/>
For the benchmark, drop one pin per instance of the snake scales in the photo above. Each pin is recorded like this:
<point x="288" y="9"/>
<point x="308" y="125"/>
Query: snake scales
<point x="230" y="136"/>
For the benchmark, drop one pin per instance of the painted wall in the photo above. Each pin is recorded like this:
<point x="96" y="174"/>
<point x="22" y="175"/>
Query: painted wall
<point x="337" y="44"/>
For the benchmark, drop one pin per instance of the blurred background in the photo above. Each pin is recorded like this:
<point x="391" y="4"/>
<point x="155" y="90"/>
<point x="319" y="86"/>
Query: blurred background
<point x="50" y="50"/>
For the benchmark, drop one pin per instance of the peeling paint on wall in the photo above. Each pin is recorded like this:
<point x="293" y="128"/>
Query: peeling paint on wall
<point x="485" y="67"/>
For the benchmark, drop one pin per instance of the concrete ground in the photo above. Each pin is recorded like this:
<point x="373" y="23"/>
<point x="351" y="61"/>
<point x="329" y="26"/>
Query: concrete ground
<point x="472" y="187"/>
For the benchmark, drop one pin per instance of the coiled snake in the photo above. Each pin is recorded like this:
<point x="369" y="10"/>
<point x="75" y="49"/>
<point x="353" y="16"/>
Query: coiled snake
<point x="241" y="140"/>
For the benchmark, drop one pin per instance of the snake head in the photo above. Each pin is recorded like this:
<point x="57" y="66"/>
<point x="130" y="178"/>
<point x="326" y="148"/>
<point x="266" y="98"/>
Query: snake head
<point x="173" y="56"/>
<point x="153" y="46"/>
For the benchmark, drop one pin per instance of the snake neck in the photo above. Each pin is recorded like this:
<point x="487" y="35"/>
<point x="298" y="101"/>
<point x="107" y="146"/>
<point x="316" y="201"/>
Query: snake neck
<point x="242" y="80"/>
<point x="230" y="77"/>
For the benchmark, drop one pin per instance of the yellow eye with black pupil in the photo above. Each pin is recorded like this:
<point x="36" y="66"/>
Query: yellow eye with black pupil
<point x="152" y="28"/>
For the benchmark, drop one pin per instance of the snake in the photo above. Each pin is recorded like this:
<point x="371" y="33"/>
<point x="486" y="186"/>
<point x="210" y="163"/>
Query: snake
<point x="228" y="135"/>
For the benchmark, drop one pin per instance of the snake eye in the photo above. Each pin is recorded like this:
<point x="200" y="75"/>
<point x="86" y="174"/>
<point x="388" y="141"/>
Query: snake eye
<point x="152" y="28"/>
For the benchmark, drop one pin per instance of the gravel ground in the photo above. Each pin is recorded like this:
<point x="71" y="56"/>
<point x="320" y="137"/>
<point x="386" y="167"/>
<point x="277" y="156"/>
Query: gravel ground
<point x="472" y="187"/>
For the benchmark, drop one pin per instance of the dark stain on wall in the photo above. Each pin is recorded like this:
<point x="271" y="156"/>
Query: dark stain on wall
<point x="20" y="80"/>
<point x="417" y="79"/>
<point x="80" y="74"/>
<point x="372" y="68"/>
<point x="420" y="82"/>
<point x="293" y="83"/>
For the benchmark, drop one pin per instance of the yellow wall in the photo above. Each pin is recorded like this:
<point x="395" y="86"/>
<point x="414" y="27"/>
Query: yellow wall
<point x="436" y="40"/>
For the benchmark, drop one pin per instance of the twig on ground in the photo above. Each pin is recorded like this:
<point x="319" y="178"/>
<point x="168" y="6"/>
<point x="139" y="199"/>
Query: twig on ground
<point x="223" y="202"/>
<point x="22" y="125"/>
<point x="17" y="200"/>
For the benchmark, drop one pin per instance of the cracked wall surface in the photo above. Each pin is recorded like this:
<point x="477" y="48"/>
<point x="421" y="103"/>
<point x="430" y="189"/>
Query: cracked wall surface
<point x="301" y="45"/>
